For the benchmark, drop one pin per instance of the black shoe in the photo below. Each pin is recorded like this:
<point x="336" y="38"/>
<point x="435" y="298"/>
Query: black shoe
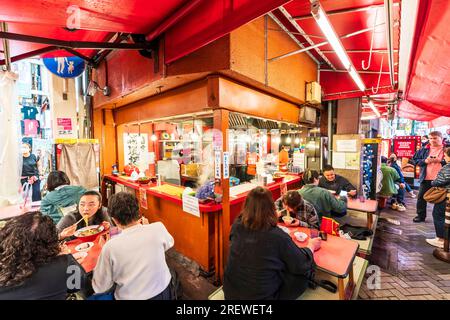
<point x="419" y="219"/>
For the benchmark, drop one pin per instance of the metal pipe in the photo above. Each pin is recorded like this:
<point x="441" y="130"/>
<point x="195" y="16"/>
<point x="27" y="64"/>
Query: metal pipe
<point x="289" y="33"/>
<point x="359" y="71"/>
<point x="323" y="43"/>
<point x="31" y="54"/>
<point x="343" y="11"/>
<point x="303" y="33"/>
<point x="353" y="91"/>
<point x="361" y="51"/>
<point x="74" y="44"/>
<point x="330" y="131"/>
<point x="266" y="76"/>
<point x="390" y="38"/>
<point x="172" y="19"/>
<point x="6" y="53"/>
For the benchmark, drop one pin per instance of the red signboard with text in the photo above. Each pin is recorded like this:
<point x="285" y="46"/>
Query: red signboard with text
<point x="405" y="147"/>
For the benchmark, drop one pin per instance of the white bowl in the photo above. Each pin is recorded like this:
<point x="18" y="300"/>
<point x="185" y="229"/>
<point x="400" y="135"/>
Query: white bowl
<point x="85" y="246"/>
<point x="300" y="236"/>
<point x="79" y="256"/>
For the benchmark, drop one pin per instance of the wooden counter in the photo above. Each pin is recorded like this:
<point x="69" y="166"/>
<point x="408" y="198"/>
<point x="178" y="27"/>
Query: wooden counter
<point x="195" y="237"/>
<point x="198" y="238"/>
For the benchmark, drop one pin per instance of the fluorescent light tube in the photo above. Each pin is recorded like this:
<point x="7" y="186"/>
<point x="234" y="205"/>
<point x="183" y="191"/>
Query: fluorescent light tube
<point x="357" y="79"/>
<point x="374" y="109"/>
<point x="328" y="31"/>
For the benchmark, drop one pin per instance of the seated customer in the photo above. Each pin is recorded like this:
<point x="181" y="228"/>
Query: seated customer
<point x="388" y="188"/>
<point x="335" y="182"/>
<point x="325" y="203"/>
<point x="134" y="260"/>
<point x="62" y="197"/>
<point x="90" y="207"/>
<point x="301" y="210"/>
<point x="264" y="263"/>
<point x="31" y="264"/>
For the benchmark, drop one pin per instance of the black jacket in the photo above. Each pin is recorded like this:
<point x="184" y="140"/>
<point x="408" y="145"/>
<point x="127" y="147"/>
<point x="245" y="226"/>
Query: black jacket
<point x="259" y="260"/>
<point x="443" y="178"/>
<point x="49" y="281"/>
<point x="339" y="184"/>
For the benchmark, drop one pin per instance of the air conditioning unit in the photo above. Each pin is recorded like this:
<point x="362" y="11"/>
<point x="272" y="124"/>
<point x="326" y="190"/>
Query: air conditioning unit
<point x="308" y="115"/>
<point x="313" y="93"/>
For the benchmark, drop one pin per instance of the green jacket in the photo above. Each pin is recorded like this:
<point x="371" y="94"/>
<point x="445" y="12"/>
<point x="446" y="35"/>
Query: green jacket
<point x="322" y="200"/>
<point x="64" y="197"/>
<point x="390" y="176"/>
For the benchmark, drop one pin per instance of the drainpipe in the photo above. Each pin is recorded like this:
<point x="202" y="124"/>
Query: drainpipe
<point x="330" y="131"/>
<point x="6" y="53"/>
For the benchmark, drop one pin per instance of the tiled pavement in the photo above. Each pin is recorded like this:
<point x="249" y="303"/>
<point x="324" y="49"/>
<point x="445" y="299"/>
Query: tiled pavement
<point x="408" y="269"/>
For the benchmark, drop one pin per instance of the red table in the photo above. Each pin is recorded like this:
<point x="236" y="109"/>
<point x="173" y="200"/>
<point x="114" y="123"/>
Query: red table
<point x="369" y="207"/>
<point x="334" y="257"/>
<point x="90" y="261"/>
<point x="17" y="210"/>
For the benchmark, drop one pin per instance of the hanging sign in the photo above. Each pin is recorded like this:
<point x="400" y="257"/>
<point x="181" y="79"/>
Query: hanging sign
<point x="217" y="163"/>
<point x="226" y="165"/>
<point x="143" y="198"/>
<point x="65" y="67"/>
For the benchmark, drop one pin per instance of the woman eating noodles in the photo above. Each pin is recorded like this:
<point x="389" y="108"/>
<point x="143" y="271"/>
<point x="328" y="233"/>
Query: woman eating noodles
<point x="90" y="212"/>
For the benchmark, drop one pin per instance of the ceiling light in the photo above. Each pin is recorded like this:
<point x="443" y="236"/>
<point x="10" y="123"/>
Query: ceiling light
<point x="327" y="29"/>
<point x="153" y="137"/>
<point x="288" y="140"/>
<point x="355" y="76"/>
<point x="374" y="109"/>
<point x="297" y="140"/>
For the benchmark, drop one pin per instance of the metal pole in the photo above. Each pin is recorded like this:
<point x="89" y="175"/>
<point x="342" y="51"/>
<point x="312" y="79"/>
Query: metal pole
<point x="6" y="53"/>
<point x="390" y="38"/>
<point x="266" y="77"/>
<point x="323" y="43"/>
<point x="330" y="131"/>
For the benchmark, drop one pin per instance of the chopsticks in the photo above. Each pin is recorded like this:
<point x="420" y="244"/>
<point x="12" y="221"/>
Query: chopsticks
<point x="82" y="218"/>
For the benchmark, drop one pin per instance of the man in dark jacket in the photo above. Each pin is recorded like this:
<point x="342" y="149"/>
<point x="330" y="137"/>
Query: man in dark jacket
<point x="334" y="182"/>
<point x="430" y="159"/>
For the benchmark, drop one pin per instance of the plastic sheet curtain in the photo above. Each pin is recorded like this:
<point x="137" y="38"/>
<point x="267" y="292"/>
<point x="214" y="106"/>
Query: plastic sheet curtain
<point x="10" y="143"/>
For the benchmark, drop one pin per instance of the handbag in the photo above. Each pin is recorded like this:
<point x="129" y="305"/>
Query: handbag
<point x="435" y="195"/>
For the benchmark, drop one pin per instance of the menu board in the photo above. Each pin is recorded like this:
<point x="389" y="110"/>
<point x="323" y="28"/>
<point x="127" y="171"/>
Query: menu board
<point x="404" y="148"/>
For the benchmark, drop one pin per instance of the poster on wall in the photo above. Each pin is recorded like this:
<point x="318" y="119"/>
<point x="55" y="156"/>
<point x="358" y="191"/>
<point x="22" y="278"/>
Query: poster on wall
<point x="64" y="126"/>
<point x="346" y="145"/>
<point x="134" y="145"/>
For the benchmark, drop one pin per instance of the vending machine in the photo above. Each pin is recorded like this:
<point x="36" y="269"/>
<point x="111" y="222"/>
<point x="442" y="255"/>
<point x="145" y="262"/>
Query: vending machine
<point x="371" y="164"/>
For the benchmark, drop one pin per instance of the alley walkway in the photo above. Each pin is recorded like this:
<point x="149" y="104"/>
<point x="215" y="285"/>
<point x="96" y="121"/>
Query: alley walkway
<point x="409" y="270"/>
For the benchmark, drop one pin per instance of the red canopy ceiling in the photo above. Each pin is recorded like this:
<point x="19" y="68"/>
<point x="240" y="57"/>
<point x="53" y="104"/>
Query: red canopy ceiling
<point x="429" y="81"/>
<point x="195" y="22"/>
<point x="347" y="17"/>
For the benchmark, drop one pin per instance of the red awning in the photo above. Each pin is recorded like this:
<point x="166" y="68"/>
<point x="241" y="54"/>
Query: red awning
<point x="429" y="82"/>
<point x="188" y="24"/>
<point x="408" y="110"/>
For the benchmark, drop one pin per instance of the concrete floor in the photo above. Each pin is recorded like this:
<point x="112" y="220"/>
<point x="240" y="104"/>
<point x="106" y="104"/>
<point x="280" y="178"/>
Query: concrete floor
<point x="409" y="270"/>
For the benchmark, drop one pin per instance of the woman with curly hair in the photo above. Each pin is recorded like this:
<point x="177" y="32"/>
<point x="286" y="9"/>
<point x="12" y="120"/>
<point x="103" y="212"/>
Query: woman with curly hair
<point x="32" y="266"/>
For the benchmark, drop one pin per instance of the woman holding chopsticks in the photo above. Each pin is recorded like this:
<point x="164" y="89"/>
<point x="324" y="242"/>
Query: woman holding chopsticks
<point x="90" y="212"/>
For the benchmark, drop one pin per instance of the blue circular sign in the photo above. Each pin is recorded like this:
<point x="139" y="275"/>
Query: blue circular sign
<point x="65" y="67"/>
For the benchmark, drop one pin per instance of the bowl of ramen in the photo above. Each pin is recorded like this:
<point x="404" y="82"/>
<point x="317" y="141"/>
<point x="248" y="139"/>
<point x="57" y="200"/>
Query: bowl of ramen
<point x="89" y="233"/>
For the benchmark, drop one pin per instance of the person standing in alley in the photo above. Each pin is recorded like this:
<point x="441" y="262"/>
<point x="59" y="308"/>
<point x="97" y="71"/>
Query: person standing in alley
<point x="430" y="159"/>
